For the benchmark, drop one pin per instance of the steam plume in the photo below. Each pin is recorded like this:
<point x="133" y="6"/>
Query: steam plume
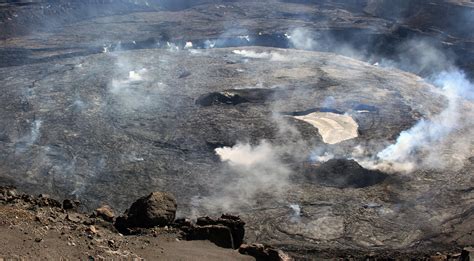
<point x="252" y="170"/>
<point x="443" y="141"/>
<point x="439" y="142"/>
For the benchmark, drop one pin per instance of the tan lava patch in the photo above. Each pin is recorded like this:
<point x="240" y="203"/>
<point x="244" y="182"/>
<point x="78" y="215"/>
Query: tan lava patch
<point x="333" y="127"/>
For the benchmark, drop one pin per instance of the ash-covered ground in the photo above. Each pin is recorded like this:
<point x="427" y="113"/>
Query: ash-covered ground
<point x="331" y="127"/>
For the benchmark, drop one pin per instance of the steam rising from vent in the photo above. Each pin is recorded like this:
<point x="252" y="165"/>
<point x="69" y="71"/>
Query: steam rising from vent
<point x="443" y="141"/>
<point x="253" y="170"/>
<point x="208" y="44"/>
<point x="136" y="76"/>
<point x="29" y="139"/>
<point x="302" y="38"/>
<point x="417" y="55"/>
<point x="35" y="132"/>
<point x="188" y="45"/>
<point x="296" y="215"/>
<point x="244" y="155"/>
<point x="420" y="57"/>
<point x="273" y="56"/>
<point x="321" y="158"/>
<point x="122" y="86"/>
<point x="130" y="87"/>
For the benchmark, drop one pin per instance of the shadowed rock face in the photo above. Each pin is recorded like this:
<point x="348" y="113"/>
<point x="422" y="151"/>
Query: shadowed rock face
<point x="342" y="173"/>
<point x="109" y="126"/>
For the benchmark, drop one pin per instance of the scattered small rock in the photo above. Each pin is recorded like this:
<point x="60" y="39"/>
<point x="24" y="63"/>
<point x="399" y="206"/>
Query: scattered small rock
<point x="8" y="193"/>
<point x="91" y="229"/>
<point x="44" y="200"/>
<point x="11" y="192"/>
<point x="74" y="217"/>
<point x="105" y="212"/>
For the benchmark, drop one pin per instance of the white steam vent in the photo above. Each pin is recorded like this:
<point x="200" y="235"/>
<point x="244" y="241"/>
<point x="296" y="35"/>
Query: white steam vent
<point x="322" y="158"/>
<point x="255" y="169"/>
<point x="188" y="45"/>
<point x="332" y="127"/>
<point x="245" y="155"/>
<point x="451" y="130"/>
<point x="245" y="37"/>
<point x="208" y="44"/>
<point x="273" y="56"/>
<point x="136" y="75"/>
<point x="296" y="215"/>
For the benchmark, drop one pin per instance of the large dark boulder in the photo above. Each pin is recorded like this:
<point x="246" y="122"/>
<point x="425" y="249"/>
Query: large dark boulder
<point x="156" y="209"/>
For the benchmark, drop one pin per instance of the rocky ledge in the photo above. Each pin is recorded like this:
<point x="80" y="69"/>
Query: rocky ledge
<point x="48" y="228"/>
<point x="148" y="229"/>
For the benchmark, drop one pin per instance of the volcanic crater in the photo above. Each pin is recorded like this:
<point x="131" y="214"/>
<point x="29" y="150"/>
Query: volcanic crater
<point x="230" y="121"/>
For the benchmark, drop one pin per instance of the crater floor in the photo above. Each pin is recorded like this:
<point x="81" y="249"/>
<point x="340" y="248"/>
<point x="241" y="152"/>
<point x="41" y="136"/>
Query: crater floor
<point x="110" y="127"/>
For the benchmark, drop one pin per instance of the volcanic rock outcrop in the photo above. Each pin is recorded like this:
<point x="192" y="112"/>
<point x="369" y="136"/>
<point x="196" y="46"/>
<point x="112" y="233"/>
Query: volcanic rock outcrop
<point x="227" y="231"/>
<point x="32" y="229"/>
<point x="156" y="209"/>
